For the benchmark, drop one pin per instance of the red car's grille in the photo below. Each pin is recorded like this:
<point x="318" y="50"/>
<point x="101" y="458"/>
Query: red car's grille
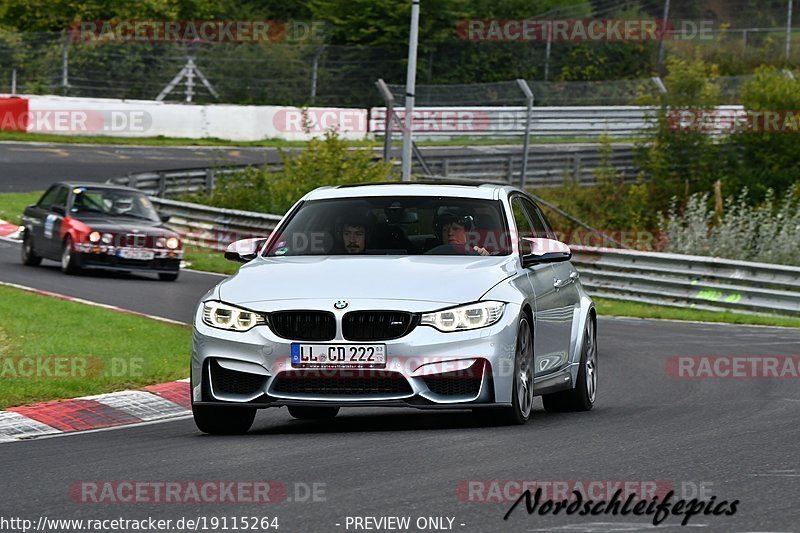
<point x="136" y="240"/>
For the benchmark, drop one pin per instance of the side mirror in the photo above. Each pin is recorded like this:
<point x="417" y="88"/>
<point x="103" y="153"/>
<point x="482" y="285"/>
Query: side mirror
<point x="244" y="250"/>
<point x="59" y="210"/>
<point x="545" y="251"/>
<point x="164" y="218"/>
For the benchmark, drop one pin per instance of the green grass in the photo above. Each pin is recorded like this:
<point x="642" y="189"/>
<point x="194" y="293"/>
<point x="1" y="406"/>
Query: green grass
<point x="209" y="261"/>
<point x="102" y="350"/>
<point x="640" y="310"/>
<point x="12" y="204"/>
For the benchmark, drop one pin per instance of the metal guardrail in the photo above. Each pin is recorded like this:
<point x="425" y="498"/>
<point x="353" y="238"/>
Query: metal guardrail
<point x="578" y="121"/>
<point x="213" y="227"/>
<point x="563" y="121"/>
<point x="164" y="183"/>
<point x="689" y="281"/>
<point x="547" y="166"/>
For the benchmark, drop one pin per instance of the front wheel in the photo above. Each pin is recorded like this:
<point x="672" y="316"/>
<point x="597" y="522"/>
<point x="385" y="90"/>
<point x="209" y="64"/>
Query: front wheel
<point x="522" y="384"/>
<point x="218" y="420"/>
<point x="582" y="396"/>
<point x="69" y="263"/>
<point x="29" y="256"/>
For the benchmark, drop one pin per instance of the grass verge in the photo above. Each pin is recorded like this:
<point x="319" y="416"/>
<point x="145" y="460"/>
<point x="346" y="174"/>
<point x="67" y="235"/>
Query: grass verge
<point x="209" y="261"/>
<point x="12" y="204"/>
<point x="638" y="310"/>
<point x="52" y="349"/>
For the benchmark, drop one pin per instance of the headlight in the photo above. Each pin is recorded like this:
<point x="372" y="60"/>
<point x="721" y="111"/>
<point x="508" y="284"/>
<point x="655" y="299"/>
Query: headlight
<point x="94" y="236"/>
<point x="108" y="238"/>
<point x="471" y="316"/>
<point x="173" y="243"/>
<point x="224" y="316"/>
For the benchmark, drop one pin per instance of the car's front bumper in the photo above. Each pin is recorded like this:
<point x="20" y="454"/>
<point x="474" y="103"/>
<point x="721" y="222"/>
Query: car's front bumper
<point x="90" y="256"/>
<point x="426" y="369"/>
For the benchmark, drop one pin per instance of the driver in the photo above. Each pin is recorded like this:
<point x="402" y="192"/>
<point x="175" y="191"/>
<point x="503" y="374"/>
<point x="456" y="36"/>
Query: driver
<point x="451" y="227"/>
<point x="355" y="230"/>
<point x="123" y="204"/>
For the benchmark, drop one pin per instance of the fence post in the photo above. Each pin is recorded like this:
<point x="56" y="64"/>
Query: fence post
<point x="65" y="64"/>
<point x="388" y="99"/>
<point x="526" y="90"/>
<point x="162" y="184"/>
<point x="209" y="180"/>
<point x="13" y="81"/>
<point x="314" y="71"/>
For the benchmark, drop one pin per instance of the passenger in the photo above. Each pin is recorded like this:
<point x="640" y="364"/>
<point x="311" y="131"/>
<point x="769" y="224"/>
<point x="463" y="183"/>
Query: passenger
<point x="451" y="227"/>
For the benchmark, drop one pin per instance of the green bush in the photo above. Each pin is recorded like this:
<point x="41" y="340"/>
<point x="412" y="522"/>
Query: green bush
<point x="768" y="232"/>
<point x="678" y="163"/>
<point x="326" y="161"/>
<point x="768" y="159"/>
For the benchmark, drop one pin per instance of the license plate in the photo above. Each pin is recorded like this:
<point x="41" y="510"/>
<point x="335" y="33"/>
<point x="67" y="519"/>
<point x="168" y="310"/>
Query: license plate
<point x="338" y="355"/>
<point x="132" y="253"/>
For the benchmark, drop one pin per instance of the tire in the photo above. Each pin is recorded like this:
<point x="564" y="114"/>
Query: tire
<point x="522" y="390"/>
<point x="216" y="420"/>
<point x="29" y="256"/>
<point x="583" y="395"/>
<point x="69" y="263"/>
<point x="168" y="276"/>
<point x="312" y="413"/>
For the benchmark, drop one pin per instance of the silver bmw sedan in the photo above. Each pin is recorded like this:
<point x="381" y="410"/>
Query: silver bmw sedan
<point x="410" y="295"/>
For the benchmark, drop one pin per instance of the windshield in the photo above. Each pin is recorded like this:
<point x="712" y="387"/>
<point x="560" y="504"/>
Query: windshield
<point x="412" y="225"/>
<point x="113" y="202"/>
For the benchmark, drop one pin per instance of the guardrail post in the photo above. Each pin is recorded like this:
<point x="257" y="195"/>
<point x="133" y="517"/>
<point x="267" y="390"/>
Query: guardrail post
<point x="445" y="166"/>
<point x="162" y="184"/>
<point x="209" y="180"/>
<point x="133" y="180"/>
<point x="510" y="170"/>
<point x="388" y="99"/>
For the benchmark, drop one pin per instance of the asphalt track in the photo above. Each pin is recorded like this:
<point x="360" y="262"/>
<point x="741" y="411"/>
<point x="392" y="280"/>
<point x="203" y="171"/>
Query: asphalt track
<point x="34" y="166"/>
<point x="737" y="438"/>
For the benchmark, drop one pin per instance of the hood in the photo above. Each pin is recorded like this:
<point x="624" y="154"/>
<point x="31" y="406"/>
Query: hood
<point x="115" y="224"/>
<point x="442" y="279"/>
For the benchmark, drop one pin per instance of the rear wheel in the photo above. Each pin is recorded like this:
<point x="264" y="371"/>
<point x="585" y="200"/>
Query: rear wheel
<point x="312" y="413"/>
<point x="29" y="256"/>
<point x="522" y="393"/>
<point x="582" y="396"/>
<point x="168" y="276"/>
<point x="69" y="263"/>
<point x="217" y="420"/>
